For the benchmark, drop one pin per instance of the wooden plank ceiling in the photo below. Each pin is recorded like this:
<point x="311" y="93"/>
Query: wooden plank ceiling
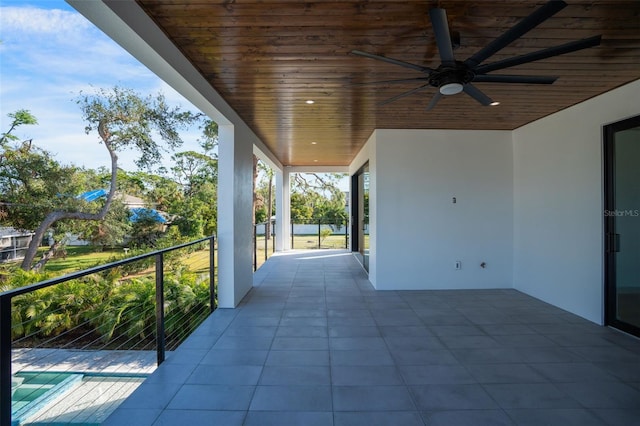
<point x="267" y="58"/>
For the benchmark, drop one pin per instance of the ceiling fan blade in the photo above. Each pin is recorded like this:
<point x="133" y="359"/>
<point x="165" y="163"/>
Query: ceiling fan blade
<point x="401" y="80"/>
<point x="525" y="25"/>
<point x="503" y="78"/>
<point x="540" y="54"/>
<point x="392" y="61"/>
<point x="434" y="101"/>
<point x="402" y="95"/>
<point x="477" y="94"/>
<point x="443" y="37"/>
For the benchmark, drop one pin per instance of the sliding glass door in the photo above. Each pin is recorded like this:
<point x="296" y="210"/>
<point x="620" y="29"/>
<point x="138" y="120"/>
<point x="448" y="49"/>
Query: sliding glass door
<point x="360" y="215"/>
<point x="622" y="224"/>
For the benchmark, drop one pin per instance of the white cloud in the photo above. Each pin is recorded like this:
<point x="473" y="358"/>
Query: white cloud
<point x="48" y="57"/>
<point x="30" y="21"/>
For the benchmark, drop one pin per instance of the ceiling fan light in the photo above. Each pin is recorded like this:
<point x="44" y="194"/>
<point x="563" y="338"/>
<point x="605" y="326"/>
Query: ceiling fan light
<point x="450" y="88"/>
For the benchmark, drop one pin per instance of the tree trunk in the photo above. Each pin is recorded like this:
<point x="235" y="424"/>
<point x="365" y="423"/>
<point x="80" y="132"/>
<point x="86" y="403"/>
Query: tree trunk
<point x="47" y="256"/>
<point x="55" y="216"/>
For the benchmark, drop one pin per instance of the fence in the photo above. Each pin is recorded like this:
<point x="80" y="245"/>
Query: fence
<point x="309" y="235"/>
<point x="77" y="345"/>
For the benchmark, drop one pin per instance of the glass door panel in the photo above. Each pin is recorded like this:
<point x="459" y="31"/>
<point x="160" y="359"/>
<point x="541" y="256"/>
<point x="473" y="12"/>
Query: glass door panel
<point x="360" y="215"/>
<point x="364" y="246"/>
<point x="622" y="217"/>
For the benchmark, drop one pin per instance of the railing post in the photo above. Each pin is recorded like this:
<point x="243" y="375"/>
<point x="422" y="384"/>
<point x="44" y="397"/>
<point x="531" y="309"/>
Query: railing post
<point x="5" y="361"/>
<point x="346" y="236"/>
<point x="255" y="248"/>
<point x="273" y="236"/>
<point x="160" y="338"/>
<point x="319" y="242"/>
<point x="291" y="235"/>
<point x="266" y="243"/>
<point x="212" y="273"/>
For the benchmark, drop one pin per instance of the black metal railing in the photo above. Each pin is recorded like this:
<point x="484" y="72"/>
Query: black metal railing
<point x="313" y="234"/>
<point x="264" y="242"/>
<point x="127" y="307"/>
<point x="318" y="234"/>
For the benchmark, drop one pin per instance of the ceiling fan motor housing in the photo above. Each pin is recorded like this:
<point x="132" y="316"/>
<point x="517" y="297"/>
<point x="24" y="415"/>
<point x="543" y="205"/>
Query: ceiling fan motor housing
<point x="449" y="79"/>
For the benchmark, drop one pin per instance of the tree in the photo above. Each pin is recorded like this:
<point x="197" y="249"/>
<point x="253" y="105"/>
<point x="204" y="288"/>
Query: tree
<point x="317" y="197"/>
<point x="301" y="211"/>
<point x="197" y="174"/>
<point x="110" y="231"/>
<point x="32" y="182"/>
<point x="19" y="118"/>
<point x="123" y="120"/>
<point x="264" y="197"/>
<point x="193" y="169"/>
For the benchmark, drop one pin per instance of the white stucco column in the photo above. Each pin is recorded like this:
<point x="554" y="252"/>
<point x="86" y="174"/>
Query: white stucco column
<point x="235" y="232"/>
<point x="283" y="211"/>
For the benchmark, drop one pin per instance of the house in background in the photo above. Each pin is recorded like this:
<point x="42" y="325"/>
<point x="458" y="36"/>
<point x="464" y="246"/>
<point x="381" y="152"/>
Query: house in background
<point x="13" y="243"/>
<point x="462" y="196"/>
<point x="139" y="210"/>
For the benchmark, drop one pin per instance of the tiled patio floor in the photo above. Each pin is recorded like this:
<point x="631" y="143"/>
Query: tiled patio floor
<point x="314" y="344"/>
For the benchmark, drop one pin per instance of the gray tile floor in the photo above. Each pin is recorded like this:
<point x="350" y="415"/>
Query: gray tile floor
<point x="314" y="344"/>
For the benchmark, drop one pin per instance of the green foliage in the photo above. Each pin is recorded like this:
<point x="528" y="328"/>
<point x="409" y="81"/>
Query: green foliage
<point x="126" y="119"/>
<point x="317" y="198"/>
<point x="145" y="232"/>
<point x="196" y="214"/>
<point x="195" y="210"/>
<point x="132" y="304"/>
<point x="301" y="211"/>
<point x="108" y="308"/>
<point x="324" y="233"/>
<point x="109" y="232"/>
<point x="19" y="118"/>
<point x="33" y="184"/>
<point x="209" y="140"/>
<point x="261" y="214"/>
<point x="186" y="300"/>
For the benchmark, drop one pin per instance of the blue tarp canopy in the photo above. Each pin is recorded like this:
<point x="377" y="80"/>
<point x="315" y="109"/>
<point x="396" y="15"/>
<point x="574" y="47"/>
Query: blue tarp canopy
<point x="136" y="213"/>
<point x="140" y="213"/>
<point x="93" y="195"/>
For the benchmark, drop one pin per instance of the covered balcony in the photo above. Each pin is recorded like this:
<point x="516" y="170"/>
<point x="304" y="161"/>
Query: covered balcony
<point x="497" y="243"/>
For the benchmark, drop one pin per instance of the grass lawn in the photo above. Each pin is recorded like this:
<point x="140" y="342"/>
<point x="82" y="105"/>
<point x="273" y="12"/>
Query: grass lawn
<point x="79" y="258"/>
<point x="198" y="261"/>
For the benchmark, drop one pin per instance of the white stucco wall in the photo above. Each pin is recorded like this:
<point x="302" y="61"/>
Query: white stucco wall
<point x="235" y="229"/>
<point x="416" y="174"/>
<point x="558" y="202"/>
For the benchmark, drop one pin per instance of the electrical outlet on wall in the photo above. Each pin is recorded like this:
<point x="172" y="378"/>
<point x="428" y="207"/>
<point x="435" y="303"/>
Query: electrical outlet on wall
<point x="458" y="264"/>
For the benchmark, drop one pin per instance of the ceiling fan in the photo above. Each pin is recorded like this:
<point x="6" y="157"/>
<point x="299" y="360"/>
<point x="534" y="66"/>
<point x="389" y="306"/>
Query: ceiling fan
<point x="453" y="76"/>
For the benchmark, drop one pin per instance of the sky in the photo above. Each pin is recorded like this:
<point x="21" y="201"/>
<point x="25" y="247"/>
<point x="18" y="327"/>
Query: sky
<point x="49" y="53"/>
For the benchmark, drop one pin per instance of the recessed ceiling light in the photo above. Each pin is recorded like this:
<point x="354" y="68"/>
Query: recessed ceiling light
<point x="314" y="143"/>
<point x="315" y="161"/>
<point x="494" y="103"/>
<point x="310" y="101"/>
